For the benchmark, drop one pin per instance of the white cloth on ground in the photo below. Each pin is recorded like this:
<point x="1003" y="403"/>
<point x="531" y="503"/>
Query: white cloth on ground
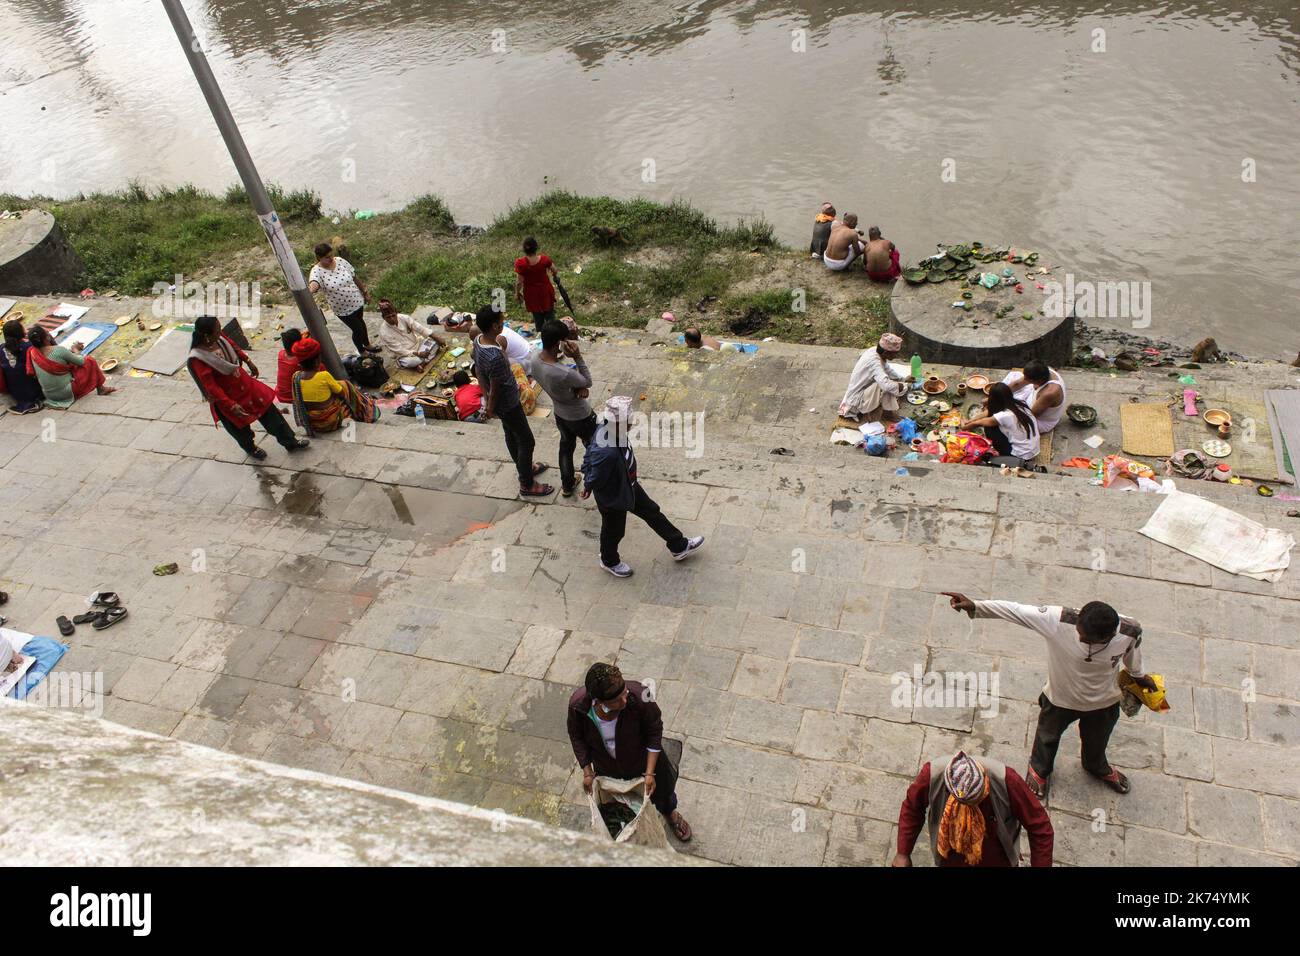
<point x="1220" y="536"/>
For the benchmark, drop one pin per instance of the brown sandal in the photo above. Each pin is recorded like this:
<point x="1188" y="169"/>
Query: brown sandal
<point x="537" y="491"/>
<point x="681" y="829"/>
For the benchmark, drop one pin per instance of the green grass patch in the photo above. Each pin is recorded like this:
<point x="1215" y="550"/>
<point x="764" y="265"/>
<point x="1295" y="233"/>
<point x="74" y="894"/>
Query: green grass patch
<point x="664" y="257"/>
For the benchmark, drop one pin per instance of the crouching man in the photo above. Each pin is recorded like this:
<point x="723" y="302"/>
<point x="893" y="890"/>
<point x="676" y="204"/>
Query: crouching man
<point x="617" y="731"/>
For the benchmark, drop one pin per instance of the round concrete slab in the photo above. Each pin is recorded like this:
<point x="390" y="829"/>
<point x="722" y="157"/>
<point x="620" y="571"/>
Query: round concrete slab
<point x="35" y="257"/>
<point x="924" y="315"/>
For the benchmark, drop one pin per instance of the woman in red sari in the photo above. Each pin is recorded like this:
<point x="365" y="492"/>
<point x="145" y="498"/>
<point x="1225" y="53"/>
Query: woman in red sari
<point x="65" y="375"/>
<point x="236" y="397"/>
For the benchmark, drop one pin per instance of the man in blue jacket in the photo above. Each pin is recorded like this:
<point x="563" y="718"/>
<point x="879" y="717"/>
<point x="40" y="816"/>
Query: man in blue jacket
<point x="609" y="472"/>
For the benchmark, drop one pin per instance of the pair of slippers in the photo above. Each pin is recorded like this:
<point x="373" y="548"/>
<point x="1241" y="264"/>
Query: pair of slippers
<point x="105" y="610"/>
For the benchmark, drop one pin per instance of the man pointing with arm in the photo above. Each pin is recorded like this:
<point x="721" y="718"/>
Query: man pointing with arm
<point x="1085" y="648"/>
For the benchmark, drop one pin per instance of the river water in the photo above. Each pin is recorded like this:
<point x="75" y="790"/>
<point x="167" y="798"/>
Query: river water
<point x="1127" y="142"/>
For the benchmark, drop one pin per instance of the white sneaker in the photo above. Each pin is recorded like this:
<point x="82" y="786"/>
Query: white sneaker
<point x="692" y="545"/>
<point x="620" y="570"/>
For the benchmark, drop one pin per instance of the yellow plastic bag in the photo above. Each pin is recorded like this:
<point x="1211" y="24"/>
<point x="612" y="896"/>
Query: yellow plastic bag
<point x="1153" y="699"/>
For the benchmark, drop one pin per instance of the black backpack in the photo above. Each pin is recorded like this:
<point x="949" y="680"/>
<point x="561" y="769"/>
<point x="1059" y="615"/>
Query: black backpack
<point x="367" y="371"/>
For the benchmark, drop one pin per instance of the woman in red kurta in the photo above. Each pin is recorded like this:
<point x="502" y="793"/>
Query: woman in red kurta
<point x="533" y="283"/>
<point x="286" y="363"/>
<point x="236" y="397"/>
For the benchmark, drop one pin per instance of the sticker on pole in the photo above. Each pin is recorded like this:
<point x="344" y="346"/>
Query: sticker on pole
<point x="283" y="251"/>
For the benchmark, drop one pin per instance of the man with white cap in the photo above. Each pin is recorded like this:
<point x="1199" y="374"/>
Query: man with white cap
<point x="975" y="809"/>
<point x="875" y="388"/>
<point x="609" y="472"/>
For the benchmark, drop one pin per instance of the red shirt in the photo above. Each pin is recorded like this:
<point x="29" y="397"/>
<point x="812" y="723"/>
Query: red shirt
<point x="468" y="400"/>
<point x="225" y="391"/>
<point x="1024" y="806"/>
<point x="286" y="365"/>
<point x="539" y="294"/>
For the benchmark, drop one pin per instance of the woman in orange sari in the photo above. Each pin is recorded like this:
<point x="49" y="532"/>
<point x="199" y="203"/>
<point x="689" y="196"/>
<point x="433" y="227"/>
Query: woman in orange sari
<point x="320" y="401"/>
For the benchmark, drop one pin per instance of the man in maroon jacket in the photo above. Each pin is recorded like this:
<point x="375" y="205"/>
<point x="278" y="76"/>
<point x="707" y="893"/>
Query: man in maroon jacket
<point x="976" y="809"/>
<point x="617" y="731"/>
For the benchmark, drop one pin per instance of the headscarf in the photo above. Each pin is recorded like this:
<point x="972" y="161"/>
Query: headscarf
<point x="618" y="408"/>
<point x="891" y="342"/>
<point x="961" y="828"/>
<point x="306" y="348"/>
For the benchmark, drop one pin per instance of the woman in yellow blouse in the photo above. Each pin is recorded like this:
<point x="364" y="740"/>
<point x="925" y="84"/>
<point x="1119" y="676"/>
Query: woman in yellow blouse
<point x="320" y="401"/>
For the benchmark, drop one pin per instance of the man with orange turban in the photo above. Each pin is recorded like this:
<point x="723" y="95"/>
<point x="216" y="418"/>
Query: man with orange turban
<point x="976" y="809"/>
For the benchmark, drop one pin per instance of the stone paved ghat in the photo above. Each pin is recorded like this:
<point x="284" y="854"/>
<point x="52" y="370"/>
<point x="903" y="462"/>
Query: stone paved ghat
<point x="387" y="610"/>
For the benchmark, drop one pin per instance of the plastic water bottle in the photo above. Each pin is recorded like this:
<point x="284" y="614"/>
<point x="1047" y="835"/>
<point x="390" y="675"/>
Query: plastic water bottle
<point x="916" y="367"/>
<point x="419" y="413"/>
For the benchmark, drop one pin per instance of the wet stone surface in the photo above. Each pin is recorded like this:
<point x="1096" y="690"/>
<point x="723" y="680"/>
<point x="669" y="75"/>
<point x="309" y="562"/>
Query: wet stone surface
<point x="388" y="609"/>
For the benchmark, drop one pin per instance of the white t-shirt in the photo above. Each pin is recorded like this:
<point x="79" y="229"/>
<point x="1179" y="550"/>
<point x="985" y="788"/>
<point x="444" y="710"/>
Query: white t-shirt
<point x="1080" y="676"/>
<point x="517" y="350"/>
<point x="607" y="729"/>
<point x="340" y="285"/>
<point x="1023" y="444"/>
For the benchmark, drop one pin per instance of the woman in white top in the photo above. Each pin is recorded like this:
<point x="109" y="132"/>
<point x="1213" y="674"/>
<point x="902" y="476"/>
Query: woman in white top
<point x="344" y="292"/>
<point x="1009" y="424"/>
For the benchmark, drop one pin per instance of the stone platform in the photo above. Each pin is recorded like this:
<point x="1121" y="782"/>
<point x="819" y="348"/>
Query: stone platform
<point x="35" y="256"/>
<point x="924" y="315"/>
<point x="388" y="610"/>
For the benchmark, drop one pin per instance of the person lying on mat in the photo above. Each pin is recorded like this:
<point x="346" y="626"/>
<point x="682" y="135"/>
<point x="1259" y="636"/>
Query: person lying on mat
<point x="1043" y="390"/>
<point x="1008" y="424"/>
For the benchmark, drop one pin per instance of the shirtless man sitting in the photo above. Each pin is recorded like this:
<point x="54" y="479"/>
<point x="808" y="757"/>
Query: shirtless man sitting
<point x="695" y="339"/>
<point x="881" y="258"/>
<point x="845" y="244"/>
<point x="1043" y="390"/>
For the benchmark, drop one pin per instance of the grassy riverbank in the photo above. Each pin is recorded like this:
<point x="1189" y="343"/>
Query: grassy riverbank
<point x="729" y="279"/>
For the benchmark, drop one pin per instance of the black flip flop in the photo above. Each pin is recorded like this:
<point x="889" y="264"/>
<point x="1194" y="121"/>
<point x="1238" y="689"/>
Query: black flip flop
<point x="4" y="598"/>
<point x="538" y="468"/>
<point x="65" y="626"/>
<point x="109" y="618"/>
<point x="87" y="618"/>
<point x="105" y="599"/>
<point x="782" y="451"/>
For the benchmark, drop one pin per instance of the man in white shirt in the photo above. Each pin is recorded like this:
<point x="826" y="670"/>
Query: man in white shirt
<point x="1085" y="647"/>
<point x="410" y="344"/>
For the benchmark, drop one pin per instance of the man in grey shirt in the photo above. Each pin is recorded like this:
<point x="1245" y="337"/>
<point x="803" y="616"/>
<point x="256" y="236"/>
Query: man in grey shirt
<point x="568" y="388"/>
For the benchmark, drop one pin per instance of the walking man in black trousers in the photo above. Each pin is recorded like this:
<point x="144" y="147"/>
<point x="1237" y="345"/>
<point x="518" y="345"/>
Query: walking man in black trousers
<point x="609" y="472"/>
